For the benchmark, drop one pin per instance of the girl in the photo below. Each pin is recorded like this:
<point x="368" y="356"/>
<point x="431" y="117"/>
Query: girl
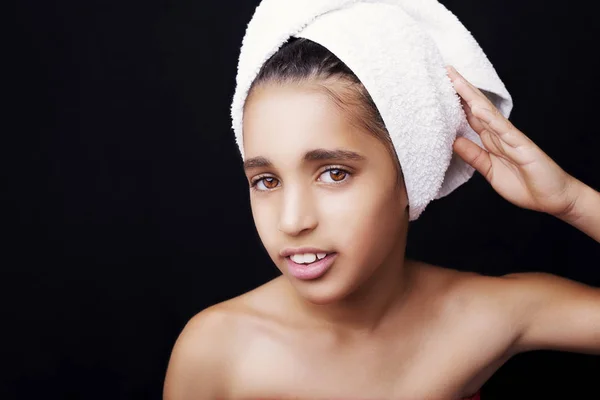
<point x="351" y="317"/>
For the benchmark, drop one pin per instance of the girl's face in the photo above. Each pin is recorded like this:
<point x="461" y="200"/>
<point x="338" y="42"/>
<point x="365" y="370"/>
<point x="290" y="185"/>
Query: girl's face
<point x="318" y="181"/>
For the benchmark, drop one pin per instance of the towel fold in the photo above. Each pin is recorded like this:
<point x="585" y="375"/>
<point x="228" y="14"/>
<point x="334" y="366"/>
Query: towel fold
<point x="399" y="50"/>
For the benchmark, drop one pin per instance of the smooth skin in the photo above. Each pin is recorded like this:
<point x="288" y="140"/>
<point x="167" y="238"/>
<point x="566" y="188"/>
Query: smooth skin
<point x="378" y="325"/>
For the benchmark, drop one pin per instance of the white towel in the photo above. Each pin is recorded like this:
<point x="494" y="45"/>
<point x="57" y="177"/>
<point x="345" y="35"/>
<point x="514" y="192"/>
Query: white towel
<point x="399" y="50"/>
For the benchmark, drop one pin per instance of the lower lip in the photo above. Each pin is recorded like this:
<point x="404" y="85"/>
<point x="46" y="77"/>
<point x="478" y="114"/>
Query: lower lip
<point x="310" y="271"/>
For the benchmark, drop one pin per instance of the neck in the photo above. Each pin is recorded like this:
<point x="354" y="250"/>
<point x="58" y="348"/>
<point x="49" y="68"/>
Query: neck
<point x="365" y="309"/>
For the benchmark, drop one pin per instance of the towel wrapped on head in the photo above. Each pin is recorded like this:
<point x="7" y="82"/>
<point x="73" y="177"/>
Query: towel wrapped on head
<point x="399" y="50"/>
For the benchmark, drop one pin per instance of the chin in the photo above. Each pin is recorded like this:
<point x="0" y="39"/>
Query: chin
<point x="322" y="291"/>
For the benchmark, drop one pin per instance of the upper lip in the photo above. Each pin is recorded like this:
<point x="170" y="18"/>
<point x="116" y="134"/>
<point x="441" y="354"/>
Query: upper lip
<point x="302" y="250"/>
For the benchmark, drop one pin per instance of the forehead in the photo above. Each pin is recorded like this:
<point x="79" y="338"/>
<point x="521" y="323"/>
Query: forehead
<point x="289" y="119"/>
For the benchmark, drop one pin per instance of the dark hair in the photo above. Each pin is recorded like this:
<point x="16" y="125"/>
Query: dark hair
<point x="301" y="59"/>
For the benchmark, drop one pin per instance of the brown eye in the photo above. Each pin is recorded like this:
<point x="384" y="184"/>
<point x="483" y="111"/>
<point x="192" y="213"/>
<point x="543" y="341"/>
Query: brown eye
<point x="270" y="183"/>
<point x="337" y="174"/>
<point x="264" y="184"/>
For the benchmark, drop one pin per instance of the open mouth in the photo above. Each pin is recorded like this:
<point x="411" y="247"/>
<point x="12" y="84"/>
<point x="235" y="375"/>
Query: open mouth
<point x="308" y="258"/>
<point x="311" y="267"/>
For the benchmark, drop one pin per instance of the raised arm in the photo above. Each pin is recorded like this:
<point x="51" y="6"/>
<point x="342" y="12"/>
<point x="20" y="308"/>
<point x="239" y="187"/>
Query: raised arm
<point x="554" y="313"/>
<point x="548" y="312"/>
<point x="518" y="169"/>
<point x="585" y="212"/>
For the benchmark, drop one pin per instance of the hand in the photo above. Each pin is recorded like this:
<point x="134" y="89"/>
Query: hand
<point x="515" y="167"/>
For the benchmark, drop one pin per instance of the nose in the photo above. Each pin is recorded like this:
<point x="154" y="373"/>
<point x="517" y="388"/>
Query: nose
<point x="298" y="213"/>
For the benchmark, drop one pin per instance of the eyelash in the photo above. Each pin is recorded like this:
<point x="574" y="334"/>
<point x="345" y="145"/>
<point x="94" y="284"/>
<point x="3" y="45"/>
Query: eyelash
<point x="328" y="169"/>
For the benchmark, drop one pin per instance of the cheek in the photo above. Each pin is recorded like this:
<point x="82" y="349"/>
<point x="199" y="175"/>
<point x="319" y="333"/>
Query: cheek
<point x="368" y="222"/>
<point x="263" y="216"/>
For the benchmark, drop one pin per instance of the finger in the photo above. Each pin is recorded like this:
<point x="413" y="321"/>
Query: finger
<point x="519" y="156"/>
<point x="475" y="156"/>
<point x="478" y="106"/>
<point x="501" y="126"/>
<point x="466" y="90"/>
<point x="489" y="137"/>
<point x="469" y="97"/>
<point x="478" y="125"/>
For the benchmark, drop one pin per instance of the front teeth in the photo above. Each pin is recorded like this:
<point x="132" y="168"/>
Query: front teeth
<point x="307" y="258"/>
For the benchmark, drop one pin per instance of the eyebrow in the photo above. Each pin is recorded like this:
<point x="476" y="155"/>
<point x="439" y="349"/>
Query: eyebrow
<point x="312" y="155"/>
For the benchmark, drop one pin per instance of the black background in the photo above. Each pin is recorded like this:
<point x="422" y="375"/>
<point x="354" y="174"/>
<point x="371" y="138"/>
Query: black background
<point x="127" y="211"/>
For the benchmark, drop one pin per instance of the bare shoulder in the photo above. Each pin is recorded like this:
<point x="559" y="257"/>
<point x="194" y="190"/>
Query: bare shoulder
<point x="206" y="350"/>
<point x="520" y="310"/>
<point x="197" y="366"/>
<point x="473" y="295"/>
<point x="515" y="296"/>
<point x="461" y="290"/>
<point x="478" y="306"/>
